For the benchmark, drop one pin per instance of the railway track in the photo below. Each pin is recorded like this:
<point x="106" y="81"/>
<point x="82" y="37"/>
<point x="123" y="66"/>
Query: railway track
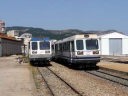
<point x="109" y="76"/>
<point x="56" y="85"/>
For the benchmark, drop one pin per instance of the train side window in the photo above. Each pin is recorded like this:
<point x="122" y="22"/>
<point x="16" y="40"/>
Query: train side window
<point x="57" y="47"/>
<point x="28" y="45"/>
<point x="68" y="46"/>
<point x="72" y="46"/>
<point x="64" y="46"/>
<point x="60" y="48"/>
<point x="34" y="45"/>
<point x="52" y="47"/>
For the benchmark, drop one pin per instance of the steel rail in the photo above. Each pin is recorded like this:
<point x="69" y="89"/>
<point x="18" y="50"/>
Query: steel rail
<point x="110" y="77"/>
<point x="52" y="93"/>
<point x="65" y="82"/>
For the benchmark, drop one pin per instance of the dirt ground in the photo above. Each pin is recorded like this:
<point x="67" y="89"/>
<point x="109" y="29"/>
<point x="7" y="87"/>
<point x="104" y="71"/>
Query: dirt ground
<point x="113" y="65"/>
<point x="15" y="79"/>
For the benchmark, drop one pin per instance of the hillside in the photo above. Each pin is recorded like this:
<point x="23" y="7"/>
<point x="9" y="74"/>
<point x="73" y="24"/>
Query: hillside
<point x="39" y="32"/>
<point x="52" y="34"/>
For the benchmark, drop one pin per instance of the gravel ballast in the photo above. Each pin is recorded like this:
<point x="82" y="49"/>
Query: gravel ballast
<point x="88" y="84"/>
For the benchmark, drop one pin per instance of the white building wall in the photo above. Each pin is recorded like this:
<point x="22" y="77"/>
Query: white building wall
<point x="104" y="44"/>
<point x="13" y="33"/>
<point x="125" y="46"/>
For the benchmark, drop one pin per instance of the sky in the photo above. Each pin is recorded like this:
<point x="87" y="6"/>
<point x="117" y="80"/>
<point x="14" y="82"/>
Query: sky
<point x="66" y="14"/>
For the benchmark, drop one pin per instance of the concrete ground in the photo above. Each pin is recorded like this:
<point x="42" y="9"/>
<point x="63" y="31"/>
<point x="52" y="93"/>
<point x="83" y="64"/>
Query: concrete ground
<point x="15" y="79"/>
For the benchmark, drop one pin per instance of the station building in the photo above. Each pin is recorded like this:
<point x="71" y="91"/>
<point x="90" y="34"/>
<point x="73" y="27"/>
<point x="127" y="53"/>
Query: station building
<point x="9" y="45"/>
<point x="13" y="33"/>
<point x="113" y="43"/>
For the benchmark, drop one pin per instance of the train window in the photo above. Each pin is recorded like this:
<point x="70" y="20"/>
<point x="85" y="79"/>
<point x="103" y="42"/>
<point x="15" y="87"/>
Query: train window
<point x="91" y="44"/>
<point x="55" y="47"/>
<point x="60" y="47"/>
<point x="72" y="46"/>
<point x="44" y="45"/>
<point x="79" y="44"/>
<point x="64" y="44"/>
<point x="52" y="47"/>
<point x="34" y="45"/>
<point x="68" y="46"/>
<point x="29" y="45"/>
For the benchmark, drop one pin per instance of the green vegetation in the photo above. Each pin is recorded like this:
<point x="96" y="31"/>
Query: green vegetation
<point x="52" y="34"/>
<point x="41" y="33"/>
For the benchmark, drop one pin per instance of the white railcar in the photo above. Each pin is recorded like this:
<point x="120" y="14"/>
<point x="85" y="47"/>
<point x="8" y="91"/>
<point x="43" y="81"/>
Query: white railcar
<point x="40" y="51"/>
<point x="78" y="49"/>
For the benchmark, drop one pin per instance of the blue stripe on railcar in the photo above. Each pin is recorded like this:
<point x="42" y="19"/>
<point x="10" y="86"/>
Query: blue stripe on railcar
<point x="39" y="39"/>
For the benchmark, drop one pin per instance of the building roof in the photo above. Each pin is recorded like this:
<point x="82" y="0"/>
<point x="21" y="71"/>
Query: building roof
<point x="113" y="35"/>
<point x="4" y="36"/>
<point x="108" y="32"/>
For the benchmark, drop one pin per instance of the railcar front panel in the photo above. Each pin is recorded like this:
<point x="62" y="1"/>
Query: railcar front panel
<point x="40" y="51"/>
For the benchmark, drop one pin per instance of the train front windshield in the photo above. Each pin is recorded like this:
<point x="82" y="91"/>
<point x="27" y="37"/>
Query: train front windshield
<point x="44" y="45"/>
<point x="79" y="45"/>
<point x="92" y="44"/>
<point x="34" y="45"/>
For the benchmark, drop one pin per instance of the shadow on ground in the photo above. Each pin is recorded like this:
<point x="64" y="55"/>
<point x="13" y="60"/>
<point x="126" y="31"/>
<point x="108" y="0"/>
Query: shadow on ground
<point x="77" y="66"/>
<point x="118" y="61"/>
<point x="40" y="64"/>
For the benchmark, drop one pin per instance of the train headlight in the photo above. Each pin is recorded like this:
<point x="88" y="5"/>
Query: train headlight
<point x="34" y="52"/>
<point x="95" y="52"/>
<point x="79" y="52"/>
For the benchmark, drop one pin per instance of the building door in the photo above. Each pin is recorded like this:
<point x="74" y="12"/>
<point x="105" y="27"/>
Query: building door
<point x="115" y="46"/>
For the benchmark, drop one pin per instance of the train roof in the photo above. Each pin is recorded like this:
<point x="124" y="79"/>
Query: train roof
<point x="40" y="39"/>
<point x="75" y="37"/>
<point x="82" y="36"/>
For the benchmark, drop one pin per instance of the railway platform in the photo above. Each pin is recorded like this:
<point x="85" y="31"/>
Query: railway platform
<point x="118" y="65"/>
<point x="16" y="79"/>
